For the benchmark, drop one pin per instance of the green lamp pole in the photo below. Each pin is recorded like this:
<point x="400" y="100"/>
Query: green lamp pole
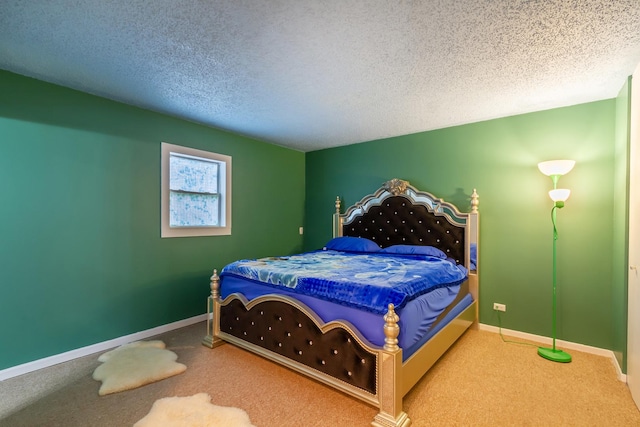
<point x="555" y="169"/>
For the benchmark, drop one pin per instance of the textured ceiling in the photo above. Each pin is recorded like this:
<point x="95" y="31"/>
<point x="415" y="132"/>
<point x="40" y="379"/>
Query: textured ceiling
<point x="317" y="74"/>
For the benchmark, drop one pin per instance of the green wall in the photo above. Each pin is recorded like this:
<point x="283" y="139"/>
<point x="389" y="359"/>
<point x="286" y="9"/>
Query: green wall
<point x="81" y="258"/>
<point x="82" y="261"/>
<point x="620" y="253"/>
<point x="499" y="158"/>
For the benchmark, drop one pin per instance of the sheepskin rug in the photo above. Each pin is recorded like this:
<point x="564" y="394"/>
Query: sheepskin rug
<point x="193" y="411"/>
<point x="134" y="365"/>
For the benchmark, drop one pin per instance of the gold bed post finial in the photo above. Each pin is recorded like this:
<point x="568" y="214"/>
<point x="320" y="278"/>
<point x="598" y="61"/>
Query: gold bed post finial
<point x="391" y="329"/>
<point x="215" y="285"/>
<point x="475" y="201"/>
<point x="338" y="205"/>
<point x="396" y="186"/>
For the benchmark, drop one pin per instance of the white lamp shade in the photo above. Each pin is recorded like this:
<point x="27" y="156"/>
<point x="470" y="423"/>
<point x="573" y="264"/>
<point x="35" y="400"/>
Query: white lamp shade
<point x="556" y="167"/>
<point x="559" y="194"/>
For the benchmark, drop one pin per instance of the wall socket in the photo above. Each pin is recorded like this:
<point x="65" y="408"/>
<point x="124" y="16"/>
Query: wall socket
<point x="499" y="307"/>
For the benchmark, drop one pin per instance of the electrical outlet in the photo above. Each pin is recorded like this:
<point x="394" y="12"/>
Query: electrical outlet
<point x="499" y="307"/>
<point x="301" y="230"/>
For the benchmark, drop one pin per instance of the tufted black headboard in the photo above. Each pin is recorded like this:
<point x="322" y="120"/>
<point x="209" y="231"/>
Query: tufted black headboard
<point x="399" y="214"/>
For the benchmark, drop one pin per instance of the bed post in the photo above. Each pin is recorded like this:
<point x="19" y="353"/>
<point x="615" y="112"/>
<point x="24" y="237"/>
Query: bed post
<point x="390" y="379"/>
<point x="474" y="288"/>
<point x="337" y="221"/>
<point x="213" y="313"/>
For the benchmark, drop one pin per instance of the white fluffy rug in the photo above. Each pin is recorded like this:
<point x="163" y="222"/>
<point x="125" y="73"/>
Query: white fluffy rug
<point x="135" y="364"/>
<point x="193" y="411"/>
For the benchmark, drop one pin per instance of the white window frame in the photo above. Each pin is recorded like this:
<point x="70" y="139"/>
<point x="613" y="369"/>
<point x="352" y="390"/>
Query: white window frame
<point x="225" y="194"/>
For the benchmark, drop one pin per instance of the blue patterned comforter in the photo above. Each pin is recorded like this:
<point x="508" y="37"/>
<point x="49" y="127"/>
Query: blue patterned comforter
<point x="368" y="281"/>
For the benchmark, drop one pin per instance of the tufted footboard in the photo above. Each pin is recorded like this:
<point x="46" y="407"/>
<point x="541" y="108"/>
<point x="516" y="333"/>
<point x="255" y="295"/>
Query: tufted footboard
<point x="286" y="330"/>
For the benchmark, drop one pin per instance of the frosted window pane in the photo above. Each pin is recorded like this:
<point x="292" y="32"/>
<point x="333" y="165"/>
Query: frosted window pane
<point x="194" y="175"/>
<point x="195" y="196"/>
<point x="191" y="210"/>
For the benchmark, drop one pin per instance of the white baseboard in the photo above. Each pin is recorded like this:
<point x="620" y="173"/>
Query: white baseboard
<point x="95" y="348"/>
<point x="106" y="345"/>
<point x="564" y="344"/>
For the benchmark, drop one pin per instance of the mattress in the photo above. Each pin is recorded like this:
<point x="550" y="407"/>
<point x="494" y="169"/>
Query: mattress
<point x="420" y="318"/>
<point x="369" y="281"/>
<point x="353" y="280"/>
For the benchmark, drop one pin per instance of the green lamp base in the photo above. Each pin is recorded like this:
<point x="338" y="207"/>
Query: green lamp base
<point x="554" y="355"/>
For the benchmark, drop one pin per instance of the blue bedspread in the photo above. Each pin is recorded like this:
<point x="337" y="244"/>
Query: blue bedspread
<point x="369" y="281"/>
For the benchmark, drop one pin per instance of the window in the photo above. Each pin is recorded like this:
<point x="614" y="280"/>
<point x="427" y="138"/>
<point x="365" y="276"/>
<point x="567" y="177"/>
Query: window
<point x="196" y="192"/>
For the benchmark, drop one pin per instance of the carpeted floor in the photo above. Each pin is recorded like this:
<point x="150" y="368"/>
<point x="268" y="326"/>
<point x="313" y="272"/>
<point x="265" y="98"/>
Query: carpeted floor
<point x="481" y="381"/>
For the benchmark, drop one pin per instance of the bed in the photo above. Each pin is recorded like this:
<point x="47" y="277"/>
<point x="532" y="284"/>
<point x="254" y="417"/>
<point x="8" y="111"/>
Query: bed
<point x="361" y="314"/>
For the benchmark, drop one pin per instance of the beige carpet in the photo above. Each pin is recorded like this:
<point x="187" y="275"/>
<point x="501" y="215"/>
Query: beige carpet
<point x="193" y="411"/>
<point x="134" y="365"/>
<point x="480" y="381"/>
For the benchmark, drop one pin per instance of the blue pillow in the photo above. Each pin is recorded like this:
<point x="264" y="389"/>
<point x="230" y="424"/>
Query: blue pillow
<point x="414" y="250"/>
<point x="352" y="244"/>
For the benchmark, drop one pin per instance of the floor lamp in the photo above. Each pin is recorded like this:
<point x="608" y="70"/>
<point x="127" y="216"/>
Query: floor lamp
<point x="555" y="169"/>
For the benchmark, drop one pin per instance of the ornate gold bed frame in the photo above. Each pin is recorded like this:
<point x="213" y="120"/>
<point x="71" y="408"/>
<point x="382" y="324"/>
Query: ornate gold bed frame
<point x="244" y="325"/>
